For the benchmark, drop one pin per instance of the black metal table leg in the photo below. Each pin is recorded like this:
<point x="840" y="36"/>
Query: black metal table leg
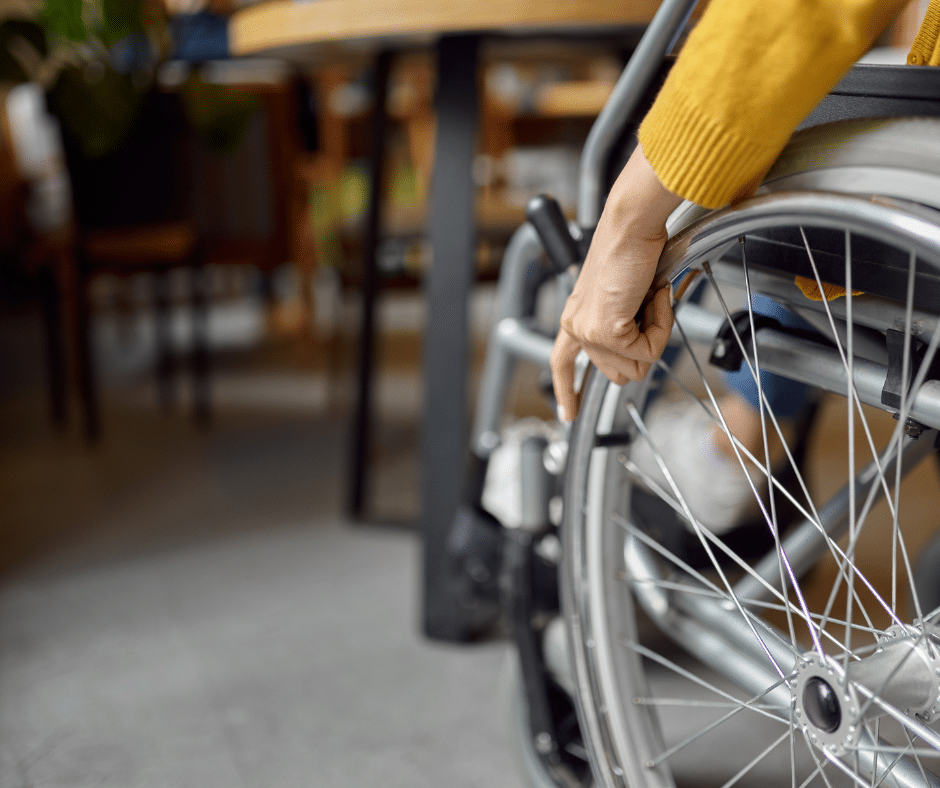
<point x="446" y="351"/>
<point x="362" y="415"/>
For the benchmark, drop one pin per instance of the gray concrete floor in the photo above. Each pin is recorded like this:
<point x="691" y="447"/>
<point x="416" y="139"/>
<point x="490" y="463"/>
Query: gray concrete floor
<point x="188" y="608"/>
<point x="289" y="658"/>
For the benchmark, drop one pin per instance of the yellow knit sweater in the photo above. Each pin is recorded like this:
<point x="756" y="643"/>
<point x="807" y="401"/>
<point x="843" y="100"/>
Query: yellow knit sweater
<point x="748" y="74"/>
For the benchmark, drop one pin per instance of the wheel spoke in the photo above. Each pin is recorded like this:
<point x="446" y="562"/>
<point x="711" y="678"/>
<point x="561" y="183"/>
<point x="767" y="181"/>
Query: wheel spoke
<point x="905" y="379"/>
<point x="898" y="538"/>
<point x="673" y="558"/>
<point x="841" y="559"/>
<point x="837" y="762"/>
<point x="815" y="773"/>
<point x="876" y="781"/>
<point x="905" y="406"/>
<point x="931" y="616"/>
<point x="700" y="531"/>
<point x="698" y="704"/>
<point x="850" y="422"/>
<point x="769" y="749"/>
<point x="915" y="726"/>
<point x="685" y="588"/>
<point x="887" y="457"/>
<point x="770" y="518"/>
<point x="900" y="753"/>
<point x="792" y="746"/>
<point x="786" y="570"/>
<point x="679" y="563"/>
<point x="853" y="402"/>
<point x="851" y="382"/>
<point x="820" y="770"/>
<point x="813" y="516"/>
<point x="705" y="535"/>
<point x="917" y="756"/>
<point x="751" y="704"/>
<point x="667" y="754"/>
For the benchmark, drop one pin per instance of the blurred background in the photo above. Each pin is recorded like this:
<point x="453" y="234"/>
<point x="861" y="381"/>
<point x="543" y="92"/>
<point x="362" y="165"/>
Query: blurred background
<point x="185" y="598"/>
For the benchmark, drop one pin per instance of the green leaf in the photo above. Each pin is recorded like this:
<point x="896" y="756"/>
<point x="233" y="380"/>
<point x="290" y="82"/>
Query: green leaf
<point x="121" y="18"/>
<point x="97" y="113"/>
<point x="218" y="113"/>
<point x="64" y="18"/>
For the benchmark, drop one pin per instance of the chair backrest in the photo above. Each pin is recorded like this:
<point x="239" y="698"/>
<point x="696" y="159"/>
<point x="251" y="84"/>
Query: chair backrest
<point x="142" y="180"/>
<point x="240" y="199"/>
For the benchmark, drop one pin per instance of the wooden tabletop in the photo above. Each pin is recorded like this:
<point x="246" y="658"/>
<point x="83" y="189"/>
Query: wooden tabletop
<point x="279" y="24"/>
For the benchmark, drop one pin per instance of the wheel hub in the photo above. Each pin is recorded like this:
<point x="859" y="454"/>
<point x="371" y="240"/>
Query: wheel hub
<point x="821" y="704"/>
<point x="922" y="666"/>
<point x="826" y="704"/>
<point x="903" y="673"/>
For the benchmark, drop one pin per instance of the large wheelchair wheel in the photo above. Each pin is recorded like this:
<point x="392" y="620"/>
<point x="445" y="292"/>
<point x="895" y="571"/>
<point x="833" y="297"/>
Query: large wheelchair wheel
<point x="788" y="647"/>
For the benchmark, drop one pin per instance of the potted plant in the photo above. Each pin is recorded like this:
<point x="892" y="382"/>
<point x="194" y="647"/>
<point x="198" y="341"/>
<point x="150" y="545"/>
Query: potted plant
<point x="98" y="59"/>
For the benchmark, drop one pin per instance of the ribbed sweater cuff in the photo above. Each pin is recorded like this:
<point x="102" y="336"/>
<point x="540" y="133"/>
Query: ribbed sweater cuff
<point x="696" y="158"/>
<point x="924" y="49"/>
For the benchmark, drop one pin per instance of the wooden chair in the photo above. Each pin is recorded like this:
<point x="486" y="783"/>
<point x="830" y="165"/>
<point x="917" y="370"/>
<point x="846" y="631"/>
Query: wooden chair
<point x="131" y="216"/>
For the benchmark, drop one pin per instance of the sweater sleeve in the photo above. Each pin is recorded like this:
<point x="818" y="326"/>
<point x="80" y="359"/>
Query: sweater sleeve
<point x="750" y="71"/>
<point x="925" y="51"/>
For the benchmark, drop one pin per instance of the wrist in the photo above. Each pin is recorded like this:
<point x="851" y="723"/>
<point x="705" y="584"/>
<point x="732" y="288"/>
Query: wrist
<point x="638" y="204"/>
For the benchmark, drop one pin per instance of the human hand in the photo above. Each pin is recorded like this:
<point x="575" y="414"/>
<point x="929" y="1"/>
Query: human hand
<point x="601" y="314"/>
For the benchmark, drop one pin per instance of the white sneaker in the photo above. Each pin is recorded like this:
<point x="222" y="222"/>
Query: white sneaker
<point x="713" y="485"/>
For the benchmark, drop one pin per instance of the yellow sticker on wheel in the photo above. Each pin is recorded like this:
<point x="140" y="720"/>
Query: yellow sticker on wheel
<point x="810" y="288"/>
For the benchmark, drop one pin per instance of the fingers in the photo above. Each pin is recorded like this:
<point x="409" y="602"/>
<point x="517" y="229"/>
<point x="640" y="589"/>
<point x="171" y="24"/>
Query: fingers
<point x="657" y="324"/>
<point x="563" y="357"/>
<point x="631" y="360"/>
<point x="615" y="367"/>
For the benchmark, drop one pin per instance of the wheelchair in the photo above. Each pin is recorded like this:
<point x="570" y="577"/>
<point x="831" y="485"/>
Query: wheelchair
<point x="802" y="646"/>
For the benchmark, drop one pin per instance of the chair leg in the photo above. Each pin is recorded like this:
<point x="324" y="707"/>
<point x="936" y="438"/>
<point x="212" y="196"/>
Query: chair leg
<point x="199" y="286"/>
<point x="166" y="388"/>
<point x="85" y="365"/>
<point x="55" y="350"/>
